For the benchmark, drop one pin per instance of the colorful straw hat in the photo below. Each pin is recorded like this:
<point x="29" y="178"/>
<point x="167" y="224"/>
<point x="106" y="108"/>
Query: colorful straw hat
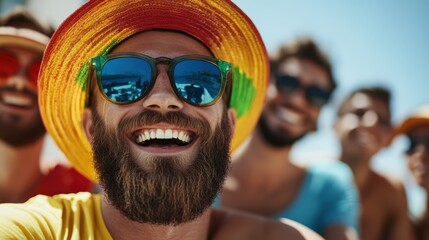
<point x="99" y="25"/>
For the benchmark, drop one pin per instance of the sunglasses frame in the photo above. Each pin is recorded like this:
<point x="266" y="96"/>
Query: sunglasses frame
<point x="303" y="88"/>
<point x="97" y="64"/>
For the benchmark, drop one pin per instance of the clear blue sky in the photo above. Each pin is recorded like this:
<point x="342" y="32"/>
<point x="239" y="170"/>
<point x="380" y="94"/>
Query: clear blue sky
<point x="384" y="42"/>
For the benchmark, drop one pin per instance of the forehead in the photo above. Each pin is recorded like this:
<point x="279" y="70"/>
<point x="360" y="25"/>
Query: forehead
<point x="307" y="71"/>
<point x="157" y="43"/>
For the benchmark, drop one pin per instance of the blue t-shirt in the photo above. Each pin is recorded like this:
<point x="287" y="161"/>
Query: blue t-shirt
<point x="327" y="196"/>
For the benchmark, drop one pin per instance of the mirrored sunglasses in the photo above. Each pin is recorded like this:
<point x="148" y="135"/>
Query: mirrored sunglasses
<point x="314" y="94"/>
<point x="11" y="66"/>
<point x="124" y="78"/>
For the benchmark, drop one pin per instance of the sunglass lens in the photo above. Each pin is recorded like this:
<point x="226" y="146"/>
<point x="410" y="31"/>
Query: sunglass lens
<point x="126" y="79"/>
<point x="317" y="96"/>
<point x="198" y="81"/>
<point x="9" y="65"/>
<point x="286" y="83"/>
<point x="33" y="72"/>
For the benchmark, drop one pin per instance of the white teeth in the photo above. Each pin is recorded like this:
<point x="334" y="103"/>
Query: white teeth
<point x="168" y="134"/>
<point x="180" y="135"/>
<point x="163" y="134"/>
<point x="159" y="134"/>
<point x="19" y="101"/>
<point x="288" y="116"/>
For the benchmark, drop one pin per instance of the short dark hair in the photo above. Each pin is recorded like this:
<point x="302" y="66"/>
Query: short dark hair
<point x="377" y="92"/>
<point x="303" y="48"/>
<point x="21" y="17"/>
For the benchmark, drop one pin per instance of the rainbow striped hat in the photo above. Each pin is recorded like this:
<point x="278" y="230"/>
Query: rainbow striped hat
<point x="99" y="25"/>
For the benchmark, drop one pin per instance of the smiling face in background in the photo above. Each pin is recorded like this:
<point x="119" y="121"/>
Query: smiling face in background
<point x="290" y="115"/>
<point x="20" y="121"/>
<point x="418" y="154"/>
<point x="161" y="181"/>
<point x="363" y="125"/>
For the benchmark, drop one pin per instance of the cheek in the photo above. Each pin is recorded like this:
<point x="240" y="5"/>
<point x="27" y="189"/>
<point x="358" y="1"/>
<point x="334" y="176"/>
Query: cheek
<point x="111" y="113"/>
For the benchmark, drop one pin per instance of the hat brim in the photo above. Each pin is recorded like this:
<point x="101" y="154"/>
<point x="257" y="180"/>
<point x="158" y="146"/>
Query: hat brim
<point x="25" y="38"/>
<point x="410" y="124"/>
<point x="99" y="25"/>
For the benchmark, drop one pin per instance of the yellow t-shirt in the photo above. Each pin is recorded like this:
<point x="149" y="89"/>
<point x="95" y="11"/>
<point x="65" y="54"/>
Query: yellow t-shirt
<point x="64" y="216"/>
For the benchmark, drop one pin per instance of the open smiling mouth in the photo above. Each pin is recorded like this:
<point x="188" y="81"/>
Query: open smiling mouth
<point x="17" y="100"/>
<point x="163" y="138"/>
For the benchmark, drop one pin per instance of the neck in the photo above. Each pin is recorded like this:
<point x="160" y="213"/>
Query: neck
<point x="19" y="171"/>
<point x="121" y="227"/>
<point x="360" y="166"/>
<point x="258" y="151"/>
<point x="260" y="165"/>
<point x="356" y="160"/>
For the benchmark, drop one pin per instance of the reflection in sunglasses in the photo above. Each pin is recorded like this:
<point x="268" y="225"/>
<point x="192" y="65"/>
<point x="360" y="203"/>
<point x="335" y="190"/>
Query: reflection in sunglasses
<point x="127" y="77"/>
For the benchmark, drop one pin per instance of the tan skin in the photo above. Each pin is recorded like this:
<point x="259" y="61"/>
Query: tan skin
<point x="418" y="163"/>
<point x="19" y="167"/>
<point x="269" y="186"/>
<point x="383" y="202"/>
<point x="213" y="224"/>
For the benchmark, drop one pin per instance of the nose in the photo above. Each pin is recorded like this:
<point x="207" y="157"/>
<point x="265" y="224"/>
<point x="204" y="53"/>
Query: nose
<point x="19" y="81"/>
<point x="162" y="96"/>
<point x="297" y="97"/>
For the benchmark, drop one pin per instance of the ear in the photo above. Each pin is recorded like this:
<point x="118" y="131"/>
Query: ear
<point x="232" y="117"/>
<point x="87" y="124"/>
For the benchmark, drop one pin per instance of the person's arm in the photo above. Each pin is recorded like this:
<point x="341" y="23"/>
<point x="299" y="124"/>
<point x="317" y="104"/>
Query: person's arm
<point x="301" y="230"/>
<point x="400" y="223"/>
<point x="228" y="223"/>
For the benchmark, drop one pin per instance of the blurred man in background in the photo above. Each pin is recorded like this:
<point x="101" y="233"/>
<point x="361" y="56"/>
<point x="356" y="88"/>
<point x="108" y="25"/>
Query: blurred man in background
<point x="363" y="126"/>
<point x="416" y="128"/>
<point x="263" y="178"/>
<point x="23" y="39"/>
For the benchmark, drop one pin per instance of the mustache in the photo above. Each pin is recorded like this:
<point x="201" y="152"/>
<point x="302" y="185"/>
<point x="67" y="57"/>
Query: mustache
<point x="151" y="117"/>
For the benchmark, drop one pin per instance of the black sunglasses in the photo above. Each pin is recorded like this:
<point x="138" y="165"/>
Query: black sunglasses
<point x="124" y="78"/>
<point x="317" y="96"/>
<point x="415" y="141"/>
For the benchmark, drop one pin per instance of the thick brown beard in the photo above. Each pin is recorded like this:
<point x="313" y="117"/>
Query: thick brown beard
<point x="168" y="194"/>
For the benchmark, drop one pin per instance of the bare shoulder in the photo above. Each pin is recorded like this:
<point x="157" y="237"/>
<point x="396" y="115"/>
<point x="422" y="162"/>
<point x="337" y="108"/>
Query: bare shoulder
<point x="389" y="185"/>
<point x="228" y="223"/>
